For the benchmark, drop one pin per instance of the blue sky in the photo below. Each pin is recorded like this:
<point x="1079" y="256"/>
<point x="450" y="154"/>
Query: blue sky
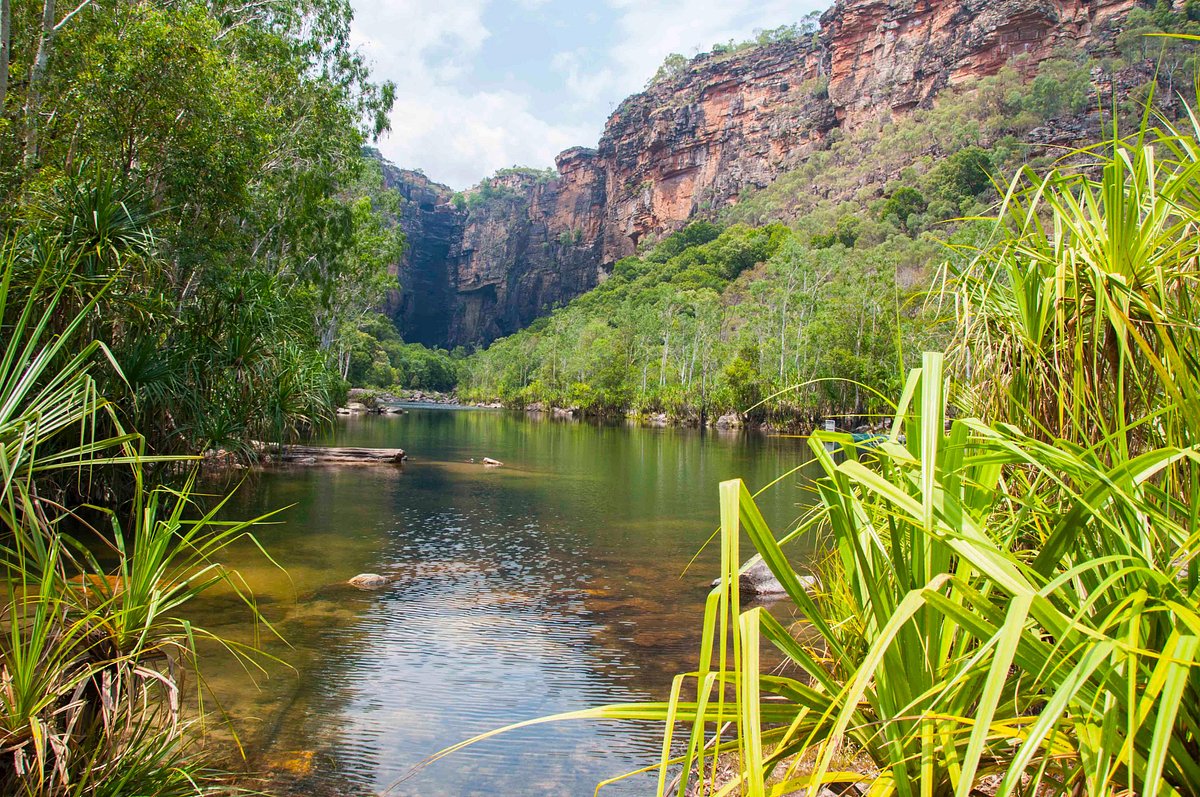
<point x="484" y="84"/>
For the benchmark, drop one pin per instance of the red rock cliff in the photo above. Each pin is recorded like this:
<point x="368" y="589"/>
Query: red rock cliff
<point x="891" y="55"/>
<point x="690" y="144"/>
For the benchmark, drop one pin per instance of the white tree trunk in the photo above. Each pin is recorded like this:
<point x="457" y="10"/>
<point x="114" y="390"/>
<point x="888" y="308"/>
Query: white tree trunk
<point x="33" y="103"/>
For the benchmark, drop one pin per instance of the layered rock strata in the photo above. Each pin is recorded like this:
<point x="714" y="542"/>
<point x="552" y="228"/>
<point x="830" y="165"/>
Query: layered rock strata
<point x="523" y="242"/>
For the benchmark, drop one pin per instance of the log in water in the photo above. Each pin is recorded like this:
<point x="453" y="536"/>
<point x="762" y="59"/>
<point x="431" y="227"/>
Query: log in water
<point x="325" y="455"/>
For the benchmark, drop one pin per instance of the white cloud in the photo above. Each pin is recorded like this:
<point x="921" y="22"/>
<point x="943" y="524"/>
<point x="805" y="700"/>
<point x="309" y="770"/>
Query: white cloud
<point x="439" y="123"/>
<point x="650" y="30"/>
<point x="587" y="82"/>
<point x="459" y="138"/>
<point x="459" y="132"/>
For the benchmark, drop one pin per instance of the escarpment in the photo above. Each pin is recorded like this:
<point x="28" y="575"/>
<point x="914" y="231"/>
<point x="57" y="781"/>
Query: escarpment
<point x="486" y="263"/>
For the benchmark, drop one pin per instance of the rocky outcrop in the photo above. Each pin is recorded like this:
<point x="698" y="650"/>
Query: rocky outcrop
<point x="433" y="227"/>
<point x="891" y="55"/>
<point x="530" y="242"/>
<point x="690" y="144"/>
<point x="525" y="241"/>
<point x="503" y="254"/>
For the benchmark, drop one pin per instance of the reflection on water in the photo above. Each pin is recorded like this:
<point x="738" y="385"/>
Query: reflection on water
<point x="551" y="584"/>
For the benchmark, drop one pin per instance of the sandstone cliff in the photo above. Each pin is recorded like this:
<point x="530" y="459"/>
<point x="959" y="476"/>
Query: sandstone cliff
<point x="891" y="55"/>
<point x="691" y="143"/>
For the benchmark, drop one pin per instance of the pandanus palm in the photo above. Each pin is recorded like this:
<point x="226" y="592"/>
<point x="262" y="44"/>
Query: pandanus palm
<point x="1012" y="589"/>
<point x="90" y="657"/>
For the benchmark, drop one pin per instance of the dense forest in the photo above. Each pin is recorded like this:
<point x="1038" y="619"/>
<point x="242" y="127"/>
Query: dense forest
<point x="202" y="163"/>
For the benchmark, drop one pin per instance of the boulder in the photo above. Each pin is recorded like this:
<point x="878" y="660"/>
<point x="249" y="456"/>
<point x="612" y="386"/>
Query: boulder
<point x="730" y="421"/>
<point x="356" y="406"/>
<point x="369" y="581"/>
<point x="757" y="580"/>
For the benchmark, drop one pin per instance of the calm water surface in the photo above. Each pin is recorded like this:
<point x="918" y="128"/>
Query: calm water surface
<point x="554" y="583"/>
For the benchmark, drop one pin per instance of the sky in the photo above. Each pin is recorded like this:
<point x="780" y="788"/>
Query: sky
<point x="487" y="84"/>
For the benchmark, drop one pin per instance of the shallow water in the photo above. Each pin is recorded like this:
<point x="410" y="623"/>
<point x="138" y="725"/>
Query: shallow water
<point x="554" y="583"/>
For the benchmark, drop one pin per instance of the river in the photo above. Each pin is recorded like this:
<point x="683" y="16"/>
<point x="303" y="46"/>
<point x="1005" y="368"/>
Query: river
<point x="556" y="582"/>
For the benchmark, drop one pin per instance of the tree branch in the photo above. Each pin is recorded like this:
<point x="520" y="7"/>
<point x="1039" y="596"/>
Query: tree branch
<point x="68" y="17"/>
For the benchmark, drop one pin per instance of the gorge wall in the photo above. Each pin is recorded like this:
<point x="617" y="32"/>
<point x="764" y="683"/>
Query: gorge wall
<point x="525" y="241"/>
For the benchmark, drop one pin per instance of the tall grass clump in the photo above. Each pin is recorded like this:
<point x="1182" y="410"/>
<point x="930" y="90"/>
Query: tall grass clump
<point x="1009" y="605"/>
<point x="95" y="643"/>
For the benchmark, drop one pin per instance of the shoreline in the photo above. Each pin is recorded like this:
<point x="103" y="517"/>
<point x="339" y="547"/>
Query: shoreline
<point x="382" y="402"/>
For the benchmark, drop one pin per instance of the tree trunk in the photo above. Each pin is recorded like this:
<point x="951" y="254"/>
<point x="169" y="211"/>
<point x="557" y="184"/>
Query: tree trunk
<point x="5" y="46"/>
<point x="33" y="103"/>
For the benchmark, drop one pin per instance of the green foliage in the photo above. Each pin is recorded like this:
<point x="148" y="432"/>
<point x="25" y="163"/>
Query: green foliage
<point x="490" y="194"/>
<point x="783" y="33"/>
<point x="672" y="66"/>
<point x="571" y="237"/>
<point x="94" y="658"/>
<point x="710" y="322"/>
<point x="903" y="205"/>
<point x="1061" y="88"/>
<point x="527" y="173"/>
<point x="381" y="359"/>
<point x="745" y="381"/>
<point x="966" y="174"/>
<point x="845" y="232"/>
<point x="205" y="163"/>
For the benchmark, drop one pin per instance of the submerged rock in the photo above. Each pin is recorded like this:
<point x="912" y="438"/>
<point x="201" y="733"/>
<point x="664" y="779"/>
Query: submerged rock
<point x="369" y="581"/>
<point x="757" y="580"/>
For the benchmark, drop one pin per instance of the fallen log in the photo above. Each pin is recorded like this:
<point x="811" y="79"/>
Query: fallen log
<point x="324" y="455"/>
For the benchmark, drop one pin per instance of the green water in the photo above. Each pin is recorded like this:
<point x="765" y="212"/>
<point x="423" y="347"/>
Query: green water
<point x="553" y="583"/>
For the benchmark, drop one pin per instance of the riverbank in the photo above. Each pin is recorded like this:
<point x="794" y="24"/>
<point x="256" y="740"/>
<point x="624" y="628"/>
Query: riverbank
<point x="366" y="400"/>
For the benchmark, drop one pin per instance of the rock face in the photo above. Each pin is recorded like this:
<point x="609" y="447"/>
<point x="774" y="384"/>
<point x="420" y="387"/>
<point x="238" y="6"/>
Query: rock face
<point x="434" y="230"/>
<point x="892" y="55"/>
<point x="523" y="242"/>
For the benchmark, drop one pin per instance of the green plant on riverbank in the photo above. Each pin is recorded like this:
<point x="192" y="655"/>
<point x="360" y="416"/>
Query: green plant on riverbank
<point x="92" y="656"/>
<point x="206" y="163"/>
<point x="1013" y="596"/>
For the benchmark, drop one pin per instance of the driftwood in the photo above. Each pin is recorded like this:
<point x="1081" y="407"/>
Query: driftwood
<point x="323" y="455"/>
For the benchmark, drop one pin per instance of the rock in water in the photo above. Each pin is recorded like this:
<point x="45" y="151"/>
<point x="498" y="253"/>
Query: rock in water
<point x="492" y="463"/>
<point x="757" y="580"/>
<point x="369" y="581"/>
<point x="730" y="421"/>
